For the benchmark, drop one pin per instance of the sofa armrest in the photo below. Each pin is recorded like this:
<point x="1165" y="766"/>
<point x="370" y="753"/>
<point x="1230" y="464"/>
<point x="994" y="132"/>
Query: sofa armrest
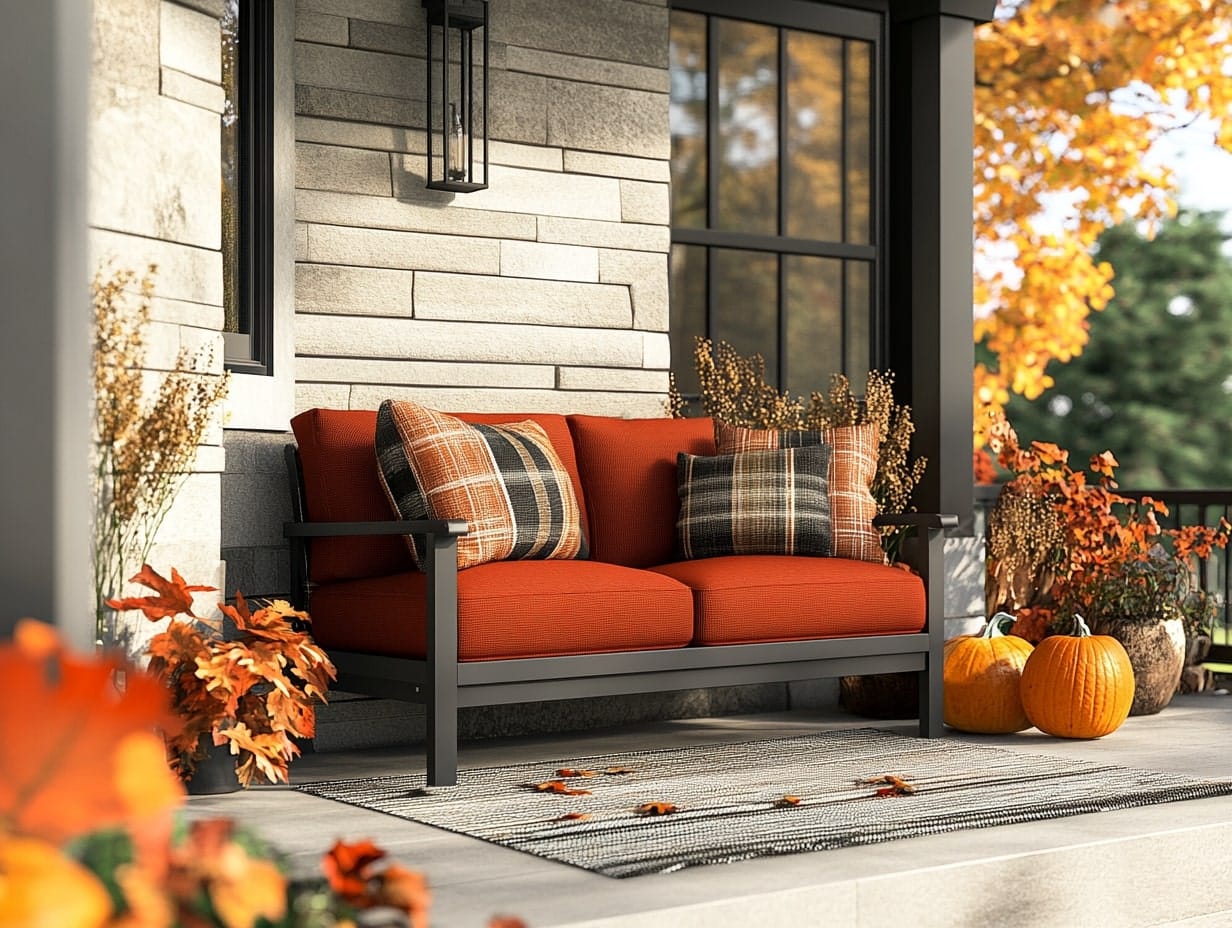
<point x="926" y="520"/>
<point x="449" y="527"/>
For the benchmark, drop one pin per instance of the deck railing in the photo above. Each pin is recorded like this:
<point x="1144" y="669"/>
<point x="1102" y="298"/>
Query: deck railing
<point x="1185" y="507"/>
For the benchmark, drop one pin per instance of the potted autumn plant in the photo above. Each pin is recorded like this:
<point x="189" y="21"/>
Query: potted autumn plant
<point x="1062" y="543"/>
<point x="251" y="690"/>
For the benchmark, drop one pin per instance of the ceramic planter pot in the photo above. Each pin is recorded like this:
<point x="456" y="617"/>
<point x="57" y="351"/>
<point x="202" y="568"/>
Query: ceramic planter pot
<point x="1156" y="651"/>
<point x="215" y="774"/>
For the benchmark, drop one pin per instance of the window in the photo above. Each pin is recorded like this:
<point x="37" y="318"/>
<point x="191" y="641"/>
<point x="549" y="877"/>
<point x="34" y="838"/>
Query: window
<point x="776" y="236"/>
<point x="247" y="184"/>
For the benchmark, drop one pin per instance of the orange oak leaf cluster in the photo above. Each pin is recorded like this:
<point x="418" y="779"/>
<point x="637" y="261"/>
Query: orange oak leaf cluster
<point x="252" y="691"/>
<point x="1060" y="543"/>
<point x="1069" y="99"/>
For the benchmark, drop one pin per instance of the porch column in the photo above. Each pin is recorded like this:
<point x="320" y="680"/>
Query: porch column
<point x="45" y="510"/>
<point x="930" y="288"/>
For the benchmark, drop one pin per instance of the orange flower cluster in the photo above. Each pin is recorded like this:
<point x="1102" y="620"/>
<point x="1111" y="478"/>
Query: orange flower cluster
<point x="1081" y="546"/>
<point x="88" y="836"/>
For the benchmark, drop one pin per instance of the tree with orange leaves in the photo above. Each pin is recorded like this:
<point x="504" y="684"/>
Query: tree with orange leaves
<point x="1070" y="95"/>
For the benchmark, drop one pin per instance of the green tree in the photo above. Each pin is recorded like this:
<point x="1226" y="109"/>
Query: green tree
<point x="1154" y="385"/>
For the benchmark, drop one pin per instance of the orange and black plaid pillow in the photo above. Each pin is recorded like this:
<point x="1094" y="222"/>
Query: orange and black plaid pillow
<point x="853" y="465"/>
<point x="505" y="480"/>
<point x="760" y="502"/>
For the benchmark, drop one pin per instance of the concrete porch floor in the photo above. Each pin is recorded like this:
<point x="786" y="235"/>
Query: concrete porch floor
<point x="1167" y="864"/>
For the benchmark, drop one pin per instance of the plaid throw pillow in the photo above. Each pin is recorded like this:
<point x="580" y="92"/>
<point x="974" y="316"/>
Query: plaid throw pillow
<point x="853" y="464"/>
<point x="762" y="502"/>
<point x="505" y="480"/>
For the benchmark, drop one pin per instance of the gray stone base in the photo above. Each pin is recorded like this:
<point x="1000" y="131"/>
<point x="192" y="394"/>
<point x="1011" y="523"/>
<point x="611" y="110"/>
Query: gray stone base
<point x="350" y="722"/>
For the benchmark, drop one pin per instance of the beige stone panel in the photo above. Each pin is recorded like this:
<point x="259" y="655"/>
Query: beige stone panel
<point x="368" y="291"/>
<point x="352" y="170"/>
<point x="643" y="202"/>
<point x="322" y="396"/>
<point x="589" y="162"/>
<point x="399" y="12"/>
<point x="124" y="44"/>
<point x="475" y="298"/>
<point x="193" y="275"/>
<point x="188" y="89"/>
<point x="301" y="241"/>
<point x="614" y="30"/>
<point x="626" y="235"/>
<point x="612" y="378"/>
<point x="427" y="340"/>
<point x="409" y="250"/>
<point x="212" y="8"/>
<point x="180" y="312"/>
<point x="154" y="168"/>
<point x="658" y="351"/>
<point x="536" y="157"/>
<point x="564" y="402"/>
<point x="359" y="107"/>
<point x="646" y="275"/>
<point x="516" y="190"/>
<point x="325" y="28"/>
<point x="189" y="41"/>
<point x="518" y="107"/>
<point x="425" y="373"/>
<point x="357" y="70"/>
<point x="549" y="262"/>
<point x="210" y="459"/>
<point x="360" y="135"/>
<point x="332" y="208"/>
<point x="608" y="119"/>
<point x="591" y="70"/>
<point x="400" y="40"/>
<point x="194" y="516"/>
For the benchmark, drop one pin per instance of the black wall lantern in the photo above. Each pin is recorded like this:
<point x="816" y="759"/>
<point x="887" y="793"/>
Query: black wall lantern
<point x="457" y="94"/>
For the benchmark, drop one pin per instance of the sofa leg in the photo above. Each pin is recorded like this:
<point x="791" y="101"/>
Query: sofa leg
<point x="932" y="723"/>
<point x="442" y="745"/>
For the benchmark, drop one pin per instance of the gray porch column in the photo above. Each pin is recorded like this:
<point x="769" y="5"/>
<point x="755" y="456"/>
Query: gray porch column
<point x="930" y="147"/>
<point x="45" y="507"/>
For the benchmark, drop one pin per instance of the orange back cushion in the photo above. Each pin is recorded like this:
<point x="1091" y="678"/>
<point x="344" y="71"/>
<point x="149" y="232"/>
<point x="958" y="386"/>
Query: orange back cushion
<point x="629" y="468"/>
<point x="342" y="484"/>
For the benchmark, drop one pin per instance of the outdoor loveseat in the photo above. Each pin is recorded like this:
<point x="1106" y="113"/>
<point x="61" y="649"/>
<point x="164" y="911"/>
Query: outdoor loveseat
<point x="630" y="616"/>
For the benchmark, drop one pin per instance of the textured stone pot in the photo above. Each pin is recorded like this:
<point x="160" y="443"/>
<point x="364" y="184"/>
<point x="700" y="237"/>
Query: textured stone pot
<point x="1157" y="653"/>
<point x="215" y="774"/>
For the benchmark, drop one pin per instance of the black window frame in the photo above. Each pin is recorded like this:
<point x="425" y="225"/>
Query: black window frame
<point x="865" y="20"/>
<point x="251" y="350"/>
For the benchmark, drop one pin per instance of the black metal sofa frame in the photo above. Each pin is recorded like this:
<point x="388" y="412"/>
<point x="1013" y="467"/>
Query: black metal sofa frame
<point x="443" y="685"/>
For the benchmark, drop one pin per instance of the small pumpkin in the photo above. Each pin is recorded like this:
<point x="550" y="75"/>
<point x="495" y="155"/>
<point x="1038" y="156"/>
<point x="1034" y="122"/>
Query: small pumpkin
<point x="1078" y="685"/>
<point x="982" y="675"/>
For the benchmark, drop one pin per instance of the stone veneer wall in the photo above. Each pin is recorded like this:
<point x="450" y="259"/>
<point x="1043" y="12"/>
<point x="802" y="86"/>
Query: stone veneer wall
<point x="153" y="162"/>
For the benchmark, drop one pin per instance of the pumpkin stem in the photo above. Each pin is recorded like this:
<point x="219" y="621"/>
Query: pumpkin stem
<point x="999" y="625"/>
<point x="1080" y="627"/>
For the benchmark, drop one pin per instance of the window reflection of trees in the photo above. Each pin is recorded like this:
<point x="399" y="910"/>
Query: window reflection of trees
<point x="822" y="143"/>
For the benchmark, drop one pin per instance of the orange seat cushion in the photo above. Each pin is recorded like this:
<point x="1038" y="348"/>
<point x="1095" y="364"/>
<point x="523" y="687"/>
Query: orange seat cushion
<point x="511" y="609"/>
<point x="753" y="598"/>
<point x="337" y="449"/>
<point x="629" y="468"/>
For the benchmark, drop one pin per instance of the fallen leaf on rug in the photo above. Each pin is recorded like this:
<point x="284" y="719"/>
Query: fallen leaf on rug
<point x="787" y="802"/>
<point x="558" y="786"/>
<point x="655" y="808"/>
<point x="619" y="771"/>
<point x="573" y="817"/>
<point x="575" y="772"/>
<point x="894" y="786"/>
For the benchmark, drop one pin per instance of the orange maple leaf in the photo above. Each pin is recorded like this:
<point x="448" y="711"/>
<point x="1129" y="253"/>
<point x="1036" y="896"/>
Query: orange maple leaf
<point x="347" y="868"/>
<point x="559" y="787"/>
<point x="405" y="889"/>
<point x="575" y="772"/>
<point x="173" y="597"/>
<point x="787" y="801"/>
<point x="655" y="808"/>
<point x="89" y="756"/>
<point x="573" y="817"/>
<point x="618" y="771"/>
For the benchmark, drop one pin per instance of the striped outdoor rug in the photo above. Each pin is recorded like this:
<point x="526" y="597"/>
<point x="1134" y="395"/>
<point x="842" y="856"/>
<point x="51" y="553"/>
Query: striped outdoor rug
<point x="760" y="798"/>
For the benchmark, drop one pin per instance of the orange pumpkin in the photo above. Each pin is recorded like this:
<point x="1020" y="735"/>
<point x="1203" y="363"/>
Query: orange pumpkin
<point x="982" y="679"/>
<point x="1078" y="685"/>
